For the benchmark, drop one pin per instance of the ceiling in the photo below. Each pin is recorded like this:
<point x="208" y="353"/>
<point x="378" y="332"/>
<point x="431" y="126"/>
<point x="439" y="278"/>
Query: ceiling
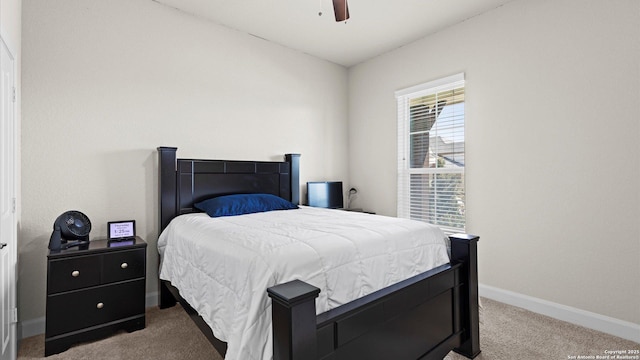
<point x="375" y="26"/>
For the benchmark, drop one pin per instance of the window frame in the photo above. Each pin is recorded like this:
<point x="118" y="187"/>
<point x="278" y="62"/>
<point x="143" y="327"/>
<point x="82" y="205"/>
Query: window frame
<point x="404" y="97"/>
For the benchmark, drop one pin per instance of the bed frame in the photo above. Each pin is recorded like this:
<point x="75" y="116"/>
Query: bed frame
<point x="423" y="317"/>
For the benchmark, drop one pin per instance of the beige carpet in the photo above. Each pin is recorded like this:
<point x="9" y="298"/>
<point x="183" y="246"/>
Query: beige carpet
<point x="169" y="334"/>
<point x="506" y="332"/>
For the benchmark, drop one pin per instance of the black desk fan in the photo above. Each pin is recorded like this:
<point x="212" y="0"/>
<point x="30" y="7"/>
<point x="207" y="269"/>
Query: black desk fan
<point x="71" y="225"/>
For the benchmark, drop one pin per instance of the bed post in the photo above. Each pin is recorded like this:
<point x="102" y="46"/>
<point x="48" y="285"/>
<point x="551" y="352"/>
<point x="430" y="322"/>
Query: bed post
<point x="294" y="162"/>
<point x="166" y="205"/>
<point x="464" y="250"/>
<point x="167" y="185"/>
<point x="293" y="310"/>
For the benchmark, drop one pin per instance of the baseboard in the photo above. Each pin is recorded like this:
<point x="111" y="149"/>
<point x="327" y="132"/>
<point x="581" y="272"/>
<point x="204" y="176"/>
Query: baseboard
<point x="36" y="326"/>
<point x="624" y="329"/>
<point x="151" y="299"/>
<point x="32" y="327"/>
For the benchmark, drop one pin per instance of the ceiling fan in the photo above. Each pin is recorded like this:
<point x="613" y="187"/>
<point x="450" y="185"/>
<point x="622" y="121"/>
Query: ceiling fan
<point x="341" y="10"/>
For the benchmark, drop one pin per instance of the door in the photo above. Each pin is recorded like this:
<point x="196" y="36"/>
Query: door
<point x="8" y="242"/>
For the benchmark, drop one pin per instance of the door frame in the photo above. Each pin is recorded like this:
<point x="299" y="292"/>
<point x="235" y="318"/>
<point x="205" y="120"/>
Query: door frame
<point x="11" y="349"/>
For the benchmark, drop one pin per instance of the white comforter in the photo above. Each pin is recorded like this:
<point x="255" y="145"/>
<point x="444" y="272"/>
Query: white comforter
<point x="223" y="266"/>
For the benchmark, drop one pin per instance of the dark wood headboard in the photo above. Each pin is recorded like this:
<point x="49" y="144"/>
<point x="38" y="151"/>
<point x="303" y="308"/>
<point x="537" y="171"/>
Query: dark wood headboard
<point x="183" y="182"/>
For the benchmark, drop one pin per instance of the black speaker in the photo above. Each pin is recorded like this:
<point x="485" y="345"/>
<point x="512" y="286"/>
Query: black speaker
<point x="71" y="225"/>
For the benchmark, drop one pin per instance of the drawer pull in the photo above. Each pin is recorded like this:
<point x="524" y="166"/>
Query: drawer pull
<point x="75" y="273"/>
<point x="100" y="305"/>
<point x="124" y="265"/>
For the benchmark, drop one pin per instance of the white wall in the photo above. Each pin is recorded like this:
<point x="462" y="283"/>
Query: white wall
<point x="106" y="82"/>
<point x="552" y="134"/>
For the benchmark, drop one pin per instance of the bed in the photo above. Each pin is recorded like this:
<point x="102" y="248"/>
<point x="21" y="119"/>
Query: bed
<point x="421" y="317"/>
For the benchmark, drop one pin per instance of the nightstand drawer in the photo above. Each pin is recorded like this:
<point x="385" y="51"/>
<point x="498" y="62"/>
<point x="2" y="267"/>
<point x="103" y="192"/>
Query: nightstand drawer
<point x="73" y="273"/>
<point x="84" y="308"/>
<point x="123" y="265"/>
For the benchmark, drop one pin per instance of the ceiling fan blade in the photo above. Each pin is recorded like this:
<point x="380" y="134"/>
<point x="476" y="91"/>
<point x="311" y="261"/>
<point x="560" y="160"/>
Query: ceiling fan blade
<point x="341" y="9"/>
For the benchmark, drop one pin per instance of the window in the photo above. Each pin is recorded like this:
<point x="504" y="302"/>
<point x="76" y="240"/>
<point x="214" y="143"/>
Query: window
<point x="431" y="153"/>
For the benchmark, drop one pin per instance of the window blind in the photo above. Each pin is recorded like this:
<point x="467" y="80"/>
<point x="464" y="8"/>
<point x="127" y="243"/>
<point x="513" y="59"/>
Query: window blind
<point x="431" y="153"/>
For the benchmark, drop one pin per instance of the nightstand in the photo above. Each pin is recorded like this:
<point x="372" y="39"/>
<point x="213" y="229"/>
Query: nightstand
<point x="94" y="291"/>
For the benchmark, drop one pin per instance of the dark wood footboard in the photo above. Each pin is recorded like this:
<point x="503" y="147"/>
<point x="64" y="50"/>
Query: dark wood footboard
<point x="423" y="317"/>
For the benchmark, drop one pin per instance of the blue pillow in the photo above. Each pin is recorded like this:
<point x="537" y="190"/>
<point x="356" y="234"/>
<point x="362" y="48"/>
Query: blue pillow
<point x="239" y="204"/>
